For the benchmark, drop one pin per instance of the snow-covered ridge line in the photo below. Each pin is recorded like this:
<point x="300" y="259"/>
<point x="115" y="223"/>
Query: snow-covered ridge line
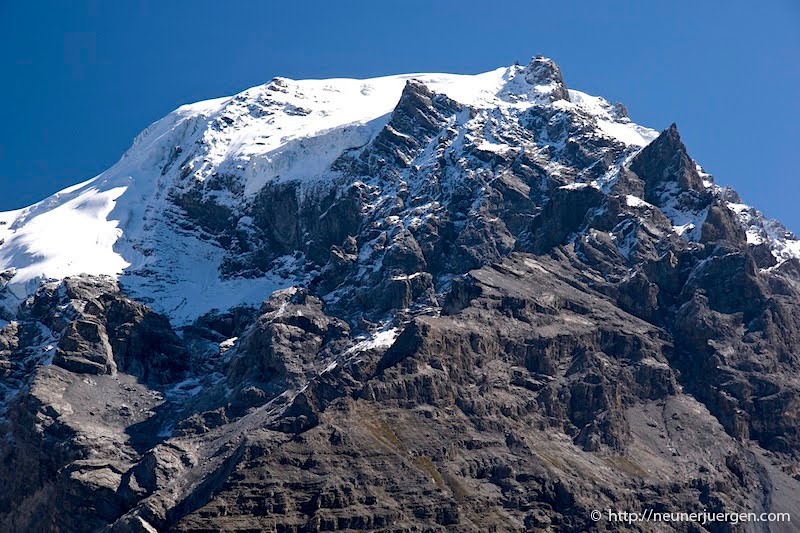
<point x="782" y="243"/>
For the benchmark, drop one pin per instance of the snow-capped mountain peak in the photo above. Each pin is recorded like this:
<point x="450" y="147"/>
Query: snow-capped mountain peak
<point x="364" y="304"/>
<point x="132" y="218"/>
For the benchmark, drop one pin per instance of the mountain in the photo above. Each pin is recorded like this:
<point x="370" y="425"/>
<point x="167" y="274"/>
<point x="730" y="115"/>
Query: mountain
<point x="425" y="302"/>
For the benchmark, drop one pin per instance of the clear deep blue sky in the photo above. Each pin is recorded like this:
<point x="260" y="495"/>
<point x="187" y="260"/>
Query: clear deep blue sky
<point x="78" y="83"/>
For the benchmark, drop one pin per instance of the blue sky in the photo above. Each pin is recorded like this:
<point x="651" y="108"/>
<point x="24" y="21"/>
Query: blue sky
<point x="78" y="83"/>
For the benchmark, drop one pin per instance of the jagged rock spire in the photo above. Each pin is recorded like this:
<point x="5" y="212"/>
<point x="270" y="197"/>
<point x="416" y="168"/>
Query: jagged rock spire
<point x="665" y="161"/>
<point x="419" y="115"/>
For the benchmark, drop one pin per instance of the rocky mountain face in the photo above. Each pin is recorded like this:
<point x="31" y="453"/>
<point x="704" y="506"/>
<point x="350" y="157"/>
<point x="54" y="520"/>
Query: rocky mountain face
<point x="415" y="303"/>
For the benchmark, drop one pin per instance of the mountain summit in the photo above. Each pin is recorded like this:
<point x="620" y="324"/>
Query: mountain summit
<point x="417" y="302"/>
<point x="199" y="171"/>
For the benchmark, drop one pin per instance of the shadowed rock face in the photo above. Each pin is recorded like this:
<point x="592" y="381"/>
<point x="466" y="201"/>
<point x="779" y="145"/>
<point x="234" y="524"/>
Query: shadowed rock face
<point x="102" y="331"/>
<point x="664" y="165"/>
<point x="484" y="338"/>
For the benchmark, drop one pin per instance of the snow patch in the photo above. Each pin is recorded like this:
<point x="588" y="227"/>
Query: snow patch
<point x="227" y="344"/>
<point x="635" y="201"/>
<point x="381" y="339"/>
<point x="609" y="122"/>
<point x="783" y="244"/>
<point x="575" y="186"/>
